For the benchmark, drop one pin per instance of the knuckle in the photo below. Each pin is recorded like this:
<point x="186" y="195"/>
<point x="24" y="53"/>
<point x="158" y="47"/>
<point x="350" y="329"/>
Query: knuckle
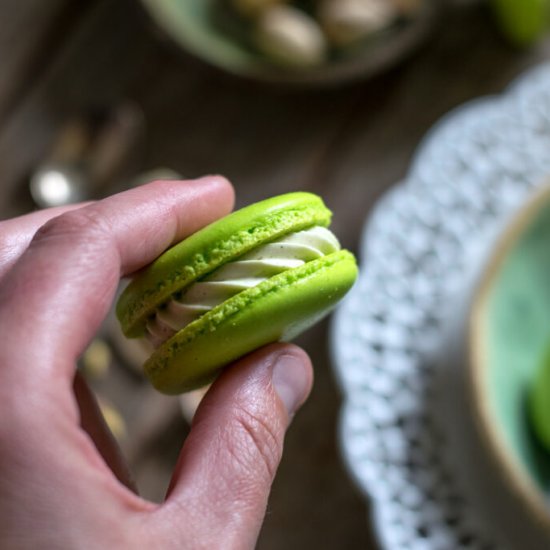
<point x="10" y="242"/>
<point x="255" y="444"/>
<point x="3" y="234"/>
<point x="78" y="225"/>
<point x="16" y="425"/>
<point x="6" y="246"/>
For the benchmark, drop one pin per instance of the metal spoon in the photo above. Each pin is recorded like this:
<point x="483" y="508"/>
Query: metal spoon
<point x="88" y="157"/>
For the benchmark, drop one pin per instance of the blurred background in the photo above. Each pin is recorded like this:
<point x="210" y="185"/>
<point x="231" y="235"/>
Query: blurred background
<point x="100" y="95"/>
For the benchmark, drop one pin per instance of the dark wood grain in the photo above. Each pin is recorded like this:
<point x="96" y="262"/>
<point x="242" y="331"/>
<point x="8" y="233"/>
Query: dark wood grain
<point x="27" y="32"/>
<point x="350" y="144"/>
<point x="102" y="53"/>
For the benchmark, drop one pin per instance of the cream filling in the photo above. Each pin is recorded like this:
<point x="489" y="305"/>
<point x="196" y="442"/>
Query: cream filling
<point x="249" y="270"/>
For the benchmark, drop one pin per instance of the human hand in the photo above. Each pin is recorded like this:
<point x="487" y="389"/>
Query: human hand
<point x="63" y="483"/>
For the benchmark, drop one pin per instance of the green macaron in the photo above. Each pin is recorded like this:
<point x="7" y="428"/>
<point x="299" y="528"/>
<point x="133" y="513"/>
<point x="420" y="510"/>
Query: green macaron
<point x="262" y="274"/>
<point x="522" y="22"/>
<point x="539" y="402"/>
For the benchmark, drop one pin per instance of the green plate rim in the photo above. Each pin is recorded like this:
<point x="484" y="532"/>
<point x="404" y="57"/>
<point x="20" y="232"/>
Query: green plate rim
<point x="511" y="470"/>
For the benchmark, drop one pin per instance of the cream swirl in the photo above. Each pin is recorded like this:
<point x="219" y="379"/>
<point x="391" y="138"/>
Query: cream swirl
<point x="249" y="270"/>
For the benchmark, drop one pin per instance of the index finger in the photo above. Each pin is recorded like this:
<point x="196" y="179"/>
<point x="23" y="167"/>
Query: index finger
<point x="17" y="233"/>
<point x="62" y="286"/>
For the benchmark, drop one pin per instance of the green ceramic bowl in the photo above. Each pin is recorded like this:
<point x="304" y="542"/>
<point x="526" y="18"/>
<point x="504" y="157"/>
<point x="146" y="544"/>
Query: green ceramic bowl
<point x="212" y="35"/>
<point x="509" y="337"/>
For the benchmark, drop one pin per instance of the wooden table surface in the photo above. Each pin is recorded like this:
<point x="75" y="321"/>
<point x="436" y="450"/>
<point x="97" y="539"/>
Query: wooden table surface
<point x="350" y="144"/>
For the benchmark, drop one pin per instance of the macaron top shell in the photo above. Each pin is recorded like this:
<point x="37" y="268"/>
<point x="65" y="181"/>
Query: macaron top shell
<point x="211" y="247"/>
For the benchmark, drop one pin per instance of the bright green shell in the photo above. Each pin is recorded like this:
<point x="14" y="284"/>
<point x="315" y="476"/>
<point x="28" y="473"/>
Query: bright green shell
<point x="277" y="309"/>
<point x="213" y="246"/>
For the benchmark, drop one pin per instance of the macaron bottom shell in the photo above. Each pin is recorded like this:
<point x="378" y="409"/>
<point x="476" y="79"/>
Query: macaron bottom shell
<point x="277" y="309"/>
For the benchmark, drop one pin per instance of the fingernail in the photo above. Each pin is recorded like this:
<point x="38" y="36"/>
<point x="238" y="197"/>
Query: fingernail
<point x="291" y="381"/>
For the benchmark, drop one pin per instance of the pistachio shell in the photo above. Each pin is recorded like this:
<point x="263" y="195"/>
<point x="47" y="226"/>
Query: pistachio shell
<point x="408" y="8"/>
<point x="346" y="22"/>
<point x="252" y="8"/>
<point x="113" y="419"/>
<point x="97" y="359"/>
<point x="290" y="37"/>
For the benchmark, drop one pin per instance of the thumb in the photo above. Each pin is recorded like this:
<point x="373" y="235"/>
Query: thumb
<point x="227" y="465"/>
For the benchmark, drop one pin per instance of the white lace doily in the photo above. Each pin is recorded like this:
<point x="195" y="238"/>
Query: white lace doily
<point x="473" y="169"/>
